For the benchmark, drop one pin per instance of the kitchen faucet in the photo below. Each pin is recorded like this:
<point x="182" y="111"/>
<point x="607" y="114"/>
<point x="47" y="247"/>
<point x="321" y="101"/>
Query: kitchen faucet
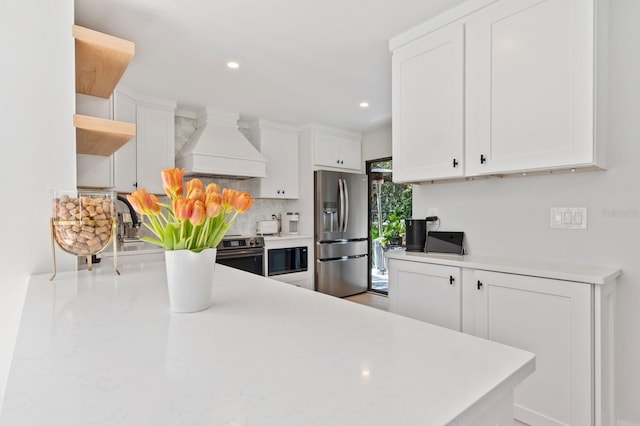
<point x="278" y="218"/>
<point x="124" y="224"/>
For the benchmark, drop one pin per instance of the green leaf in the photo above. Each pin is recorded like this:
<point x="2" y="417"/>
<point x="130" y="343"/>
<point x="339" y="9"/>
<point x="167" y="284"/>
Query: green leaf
<point x="153" y="241"/>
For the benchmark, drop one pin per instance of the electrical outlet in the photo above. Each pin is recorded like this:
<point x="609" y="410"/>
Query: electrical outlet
<point x="432" y="212"/>
<point x="568" y="218"/>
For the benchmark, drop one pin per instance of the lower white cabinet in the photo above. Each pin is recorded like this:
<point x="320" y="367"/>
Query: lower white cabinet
<point x="552" y="319"/>
<point x="426" y="292"/>
<point x="568" y="325"/>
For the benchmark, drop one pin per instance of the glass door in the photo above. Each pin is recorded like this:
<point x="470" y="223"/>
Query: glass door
<point x="389" y="205"/>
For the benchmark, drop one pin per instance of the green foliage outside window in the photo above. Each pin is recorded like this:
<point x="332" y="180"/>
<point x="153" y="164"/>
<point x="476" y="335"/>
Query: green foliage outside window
<point x="395" y="202"/>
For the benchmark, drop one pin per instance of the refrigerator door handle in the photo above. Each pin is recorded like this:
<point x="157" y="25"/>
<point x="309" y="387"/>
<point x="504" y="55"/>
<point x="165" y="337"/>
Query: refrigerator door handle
<point x="341" y="218"/>
<point x="346" y="205"/>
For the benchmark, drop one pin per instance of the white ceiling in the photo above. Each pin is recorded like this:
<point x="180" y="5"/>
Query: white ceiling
<point x="300" y="61"/>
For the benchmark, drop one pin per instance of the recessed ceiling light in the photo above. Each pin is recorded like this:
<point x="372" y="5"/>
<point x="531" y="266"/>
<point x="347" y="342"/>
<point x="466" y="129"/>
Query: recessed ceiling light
<point x="233" y="65"/>
<point x="364" y="104"/>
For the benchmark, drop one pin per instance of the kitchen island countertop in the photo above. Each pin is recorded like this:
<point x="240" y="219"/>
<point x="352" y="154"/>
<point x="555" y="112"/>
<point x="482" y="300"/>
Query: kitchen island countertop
<point x="96" y="348"/>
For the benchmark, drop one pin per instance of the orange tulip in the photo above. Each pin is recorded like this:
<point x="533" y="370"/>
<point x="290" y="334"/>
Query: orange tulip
<point x="199" y="213"/>
<point x="183" y="208"/>
<point x="213" y="203"/>
<point x="196" y="194"/>
<point x="228" y="196"/>
<point x="243" y="202"/>
<point x="194" y="184"/>
<point x="213" y="188"/>
<point x="172" y="182"/>
<point x="145" y="203"/>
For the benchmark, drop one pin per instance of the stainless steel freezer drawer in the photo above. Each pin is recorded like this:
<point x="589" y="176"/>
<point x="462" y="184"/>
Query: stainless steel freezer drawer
<point x="342" y="277"/>
<point x="339" y="249"/>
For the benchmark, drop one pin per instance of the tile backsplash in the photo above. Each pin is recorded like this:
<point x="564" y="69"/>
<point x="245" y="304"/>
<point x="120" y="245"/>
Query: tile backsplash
<point x="245" y="224"/>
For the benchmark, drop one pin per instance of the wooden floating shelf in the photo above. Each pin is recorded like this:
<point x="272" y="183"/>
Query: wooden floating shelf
<point x="101" y="60"/>
<point x="98" y="136"/>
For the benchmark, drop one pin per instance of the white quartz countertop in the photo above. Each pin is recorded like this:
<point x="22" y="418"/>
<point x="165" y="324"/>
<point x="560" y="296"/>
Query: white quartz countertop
<point x="99" y="349"/>
<point x="592" y="274"/>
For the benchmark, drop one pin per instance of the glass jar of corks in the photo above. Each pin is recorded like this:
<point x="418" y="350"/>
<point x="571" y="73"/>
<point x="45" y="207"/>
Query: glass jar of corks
<point x="83" y="223"/>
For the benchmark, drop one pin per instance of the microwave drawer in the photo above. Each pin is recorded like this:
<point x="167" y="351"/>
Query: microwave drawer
<point x="287" y="260"/>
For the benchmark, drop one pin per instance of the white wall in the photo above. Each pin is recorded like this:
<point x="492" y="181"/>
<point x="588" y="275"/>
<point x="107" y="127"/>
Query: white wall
<point x="38" y="142"/>
<point x="376" y="144"/>
<point x="510" y="217"/>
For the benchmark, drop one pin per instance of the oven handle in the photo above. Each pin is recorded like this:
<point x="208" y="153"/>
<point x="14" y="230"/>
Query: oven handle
<point x="240" y="253"/>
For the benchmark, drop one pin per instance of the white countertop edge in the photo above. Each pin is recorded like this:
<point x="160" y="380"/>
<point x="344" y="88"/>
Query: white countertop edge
<point x="591" y="274"/>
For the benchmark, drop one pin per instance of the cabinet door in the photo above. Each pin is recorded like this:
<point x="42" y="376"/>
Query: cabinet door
<point x="529" y="86"/>
<point x="281" y="151"/>
<point x="337" y="151"/>
<point x="552" y="319"/>
<point x="124" y="159"/>
<point x="155" y="146"/>
<point x="351" y="154"/>
<point x="428" y="91"/>
<point x="426" y="292"/>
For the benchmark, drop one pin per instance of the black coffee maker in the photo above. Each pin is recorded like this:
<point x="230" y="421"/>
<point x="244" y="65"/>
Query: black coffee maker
<point x="416" y="234"/>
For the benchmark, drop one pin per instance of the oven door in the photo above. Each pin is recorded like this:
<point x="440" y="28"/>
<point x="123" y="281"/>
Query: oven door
<point x="250" y="260"/>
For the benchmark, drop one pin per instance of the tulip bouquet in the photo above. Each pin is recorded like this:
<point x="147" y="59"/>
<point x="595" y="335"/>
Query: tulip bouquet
<point x="195" y="220"/>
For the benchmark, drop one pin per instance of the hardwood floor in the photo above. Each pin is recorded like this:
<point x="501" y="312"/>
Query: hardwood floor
<point x="375" y="300"/>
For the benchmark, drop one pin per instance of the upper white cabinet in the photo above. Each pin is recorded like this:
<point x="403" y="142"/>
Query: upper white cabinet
<point x="429" y="293"/>
<point x="530" y="86"/>
<point x="278" y="143"/>
<point x="335" y="148"/>
<point x="139" y="163"/>
<point x="428" y="106"/>
<point x="533" y="79"/>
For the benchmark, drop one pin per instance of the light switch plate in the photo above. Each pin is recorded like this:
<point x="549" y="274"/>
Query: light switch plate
<point x="568" y="218"/>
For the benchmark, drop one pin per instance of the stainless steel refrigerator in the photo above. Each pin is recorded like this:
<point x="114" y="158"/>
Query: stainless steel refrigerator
<point x="342" y="260"/>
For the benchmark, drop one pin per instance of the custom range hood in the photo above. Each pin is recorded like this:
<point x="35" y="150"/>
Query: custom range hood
<point x="218" y="149"/>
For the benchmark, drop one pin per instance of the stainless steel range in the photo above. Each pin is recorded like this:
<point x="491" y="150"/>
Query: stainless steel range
<point x="244" y="253"/>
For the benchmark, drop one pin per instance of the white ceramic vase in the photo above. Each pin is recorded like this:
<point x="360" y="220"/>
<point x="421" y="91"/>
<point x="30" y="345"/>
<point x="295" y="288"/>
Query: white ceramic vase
<point x="190" y="279"/>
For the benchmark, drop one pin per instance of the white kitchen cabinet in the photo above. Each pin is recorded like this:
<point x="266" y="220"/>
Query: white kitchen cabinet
<point x="552" y="319"/>
<point x="335" y="149"/>
<point x="426" y="292"/>
<point x="278" y="143"/>
<point x="428" y="106"/>
<point x="530" y="86"/>
<point x="139" y="163"/>
<point x="533" y="74"/>
<point x="562" y="313"/>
